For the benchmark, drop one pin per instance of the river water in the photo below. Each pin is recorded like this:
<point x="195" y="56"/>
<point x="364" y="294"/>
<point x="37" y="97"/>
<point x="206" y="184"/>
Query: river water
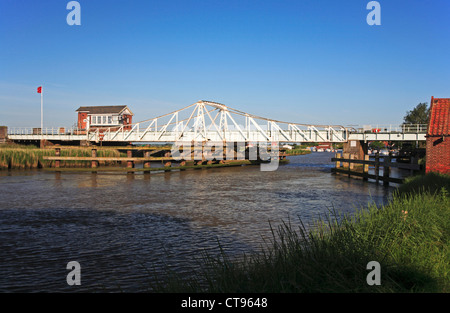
<point x="123" y="228"/>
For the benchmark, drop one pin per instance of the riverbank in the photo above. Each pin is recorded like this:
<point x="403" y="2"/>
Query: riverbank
<point x="408" y="237"/>
<point x="297" y="152"/>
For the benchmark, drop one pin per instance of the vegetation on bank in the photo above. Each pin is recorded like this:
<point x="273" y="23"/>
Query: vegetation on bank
<point x="408" y="237"/>
<point x="299" y="151"/>
<point x="432" y="183"/>
<point x="14" y="156"/>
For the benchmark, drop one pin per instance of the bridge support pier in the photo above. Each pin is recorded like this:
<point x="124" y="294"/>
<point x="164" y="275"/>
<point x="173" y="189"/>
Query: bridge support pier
<point x="356" y="148"/>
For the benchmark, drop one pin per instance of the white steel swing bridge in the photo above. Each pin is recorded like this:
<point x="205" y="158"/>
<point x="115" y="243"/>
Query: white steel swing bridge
<point x="211" y="121"/>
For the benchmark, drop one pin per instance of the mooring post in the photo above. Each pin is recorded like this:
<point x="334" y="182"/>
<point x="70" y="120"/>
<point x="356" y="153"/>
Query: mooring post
<point x="412" y="161"/>
<point x="167" y="165"/>
<point x="130" y="163"/>
<point x="147" y="162"/>
<point x="386" y="170"/>
<point x="345" y="156"/>
<point x="94" y="163"/>
<point x="366" y="167"/>
<point x="350" y="164"/>
<point x="377" y="167"/>
<point x="338" y="163"/>
<point x="203" y="152"/>
<point x="57" y="153"/>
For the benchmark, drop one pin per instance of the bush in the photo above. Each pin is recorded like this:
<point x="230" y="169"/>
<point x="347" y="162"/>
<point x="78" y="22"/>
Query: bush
<point x="431" y="182"/>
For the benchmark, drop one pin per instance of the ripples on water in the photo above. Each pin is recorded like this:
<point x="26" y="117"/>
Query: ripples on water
<point x="122" y="227"/>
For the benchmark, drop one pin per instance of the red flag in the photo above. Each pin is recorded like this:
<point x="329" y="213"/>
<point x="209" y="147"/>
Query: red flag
<point x="39" y="90"/>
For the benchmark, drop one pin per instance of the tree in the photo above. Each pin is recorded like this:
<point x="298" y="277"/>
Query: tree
<point x="419" y="115"/>
<point x="377" y="145"/>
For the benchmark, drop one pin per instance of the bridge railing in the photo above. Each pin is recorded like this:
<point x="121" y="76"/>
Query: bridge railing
<point x="45" y="131"/>
<point x="391" y="128"/>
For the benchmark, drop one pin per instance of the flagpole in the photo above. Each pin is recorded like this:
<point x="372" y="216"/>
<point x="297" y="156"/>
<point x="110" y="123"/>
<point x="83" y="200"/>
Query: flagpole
<point x="42" y="113"/>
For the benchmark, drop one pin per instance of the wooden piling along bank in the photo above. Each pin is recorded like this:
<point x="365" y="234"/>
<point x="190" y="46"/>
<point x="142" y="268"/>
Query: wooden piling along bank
<point x="345" y="164"/>
<point x="130" y="160"/>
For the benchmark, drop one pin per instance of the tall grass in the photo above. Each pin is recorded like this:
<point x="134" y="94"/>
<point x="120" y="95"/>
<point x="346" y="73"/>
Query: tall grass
<point x="27" y="157"/>
<point x="408" y="237"/>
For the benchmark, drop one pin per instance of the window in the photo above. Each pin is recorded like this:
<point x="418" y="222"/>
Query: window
<point x="109" y="120"/>
<point x="104" y="119"/>
<point x="94" y="120"/>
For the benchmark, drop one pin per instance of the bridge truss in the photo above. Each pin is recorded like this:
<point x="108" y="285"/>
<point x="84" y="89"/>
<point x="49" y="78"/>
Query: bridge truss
<point x="206" y="121"/>
<point x="212" y="121"/>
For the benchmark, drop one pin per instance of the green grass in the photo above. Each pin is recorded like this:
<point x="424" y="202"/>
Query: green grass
<point x="408" y="237"/>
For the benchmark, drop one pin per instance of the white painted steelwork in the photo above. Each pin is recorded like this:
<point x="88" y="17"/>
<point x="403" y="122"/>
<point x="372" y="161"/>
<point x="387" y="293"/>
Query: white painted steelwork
<point x="212" y="121"/>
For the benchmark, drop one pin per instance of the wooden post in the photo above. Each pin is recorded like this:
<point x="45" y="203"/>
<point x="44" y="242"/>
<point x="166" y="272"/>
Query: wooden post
<point x="412" y="161"/>
<point x="346" y="156"/>
<point x="338" y="163"/>
<point x="350" y="165"/>
<point x="94" y="163"/>
<point x="377" y="167"/>
<point x="57" y="153"/>
<point x="386" y="170"/>
<point x="203" y="152"/>
<point x="147" y="163"/>
<point x="130" y="163"/>
<point x="366" y="167"/>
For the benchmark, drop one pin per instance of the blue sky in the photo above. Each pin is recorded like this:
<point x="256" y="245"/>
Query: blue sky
<point x="304" y="61"/>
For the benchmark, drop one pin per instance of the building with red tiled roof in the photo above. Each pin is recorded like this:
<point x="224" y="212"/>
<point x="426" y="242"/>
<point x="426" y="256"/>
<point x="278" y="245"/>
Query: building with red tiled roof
<point x="438" y="136"/>
<point x="104" y="117"/>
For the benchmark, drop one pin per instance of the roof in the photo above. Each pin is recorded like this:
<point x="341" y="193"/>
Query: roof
<point x="111" y="109"/>
<point x="439" y="117"/>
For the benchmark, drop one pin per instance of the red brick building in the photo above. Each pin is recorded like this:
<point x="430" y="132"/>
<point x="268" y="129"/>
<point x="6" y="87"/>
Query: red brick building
<point x="438" y="137"/>
<point x="104" y="117"/>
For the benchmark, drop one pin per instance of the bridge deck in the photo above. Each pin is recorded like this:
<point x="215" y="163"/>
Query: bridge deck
<point x="135" y="137"/>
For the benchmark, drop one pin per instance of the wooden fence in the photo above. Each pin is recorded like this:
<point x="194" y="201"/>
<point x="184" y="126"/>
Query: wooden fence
<point x="345" y="164"/>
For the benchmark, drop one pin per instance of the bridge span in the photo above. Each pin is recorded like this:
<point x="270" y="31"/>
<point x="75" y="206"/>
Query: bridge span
<point x="216" y="122"/>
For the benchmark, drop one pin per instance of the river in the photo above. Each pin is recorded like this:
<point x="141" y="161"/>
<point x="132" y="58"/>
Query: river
<point x="121" y="228"/>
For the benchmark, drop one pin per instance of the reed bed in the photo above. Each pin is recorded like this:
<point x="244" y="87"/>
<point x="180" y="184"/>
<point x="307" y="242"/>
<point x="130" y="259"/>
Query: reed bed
<point x="29" y="157"/>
